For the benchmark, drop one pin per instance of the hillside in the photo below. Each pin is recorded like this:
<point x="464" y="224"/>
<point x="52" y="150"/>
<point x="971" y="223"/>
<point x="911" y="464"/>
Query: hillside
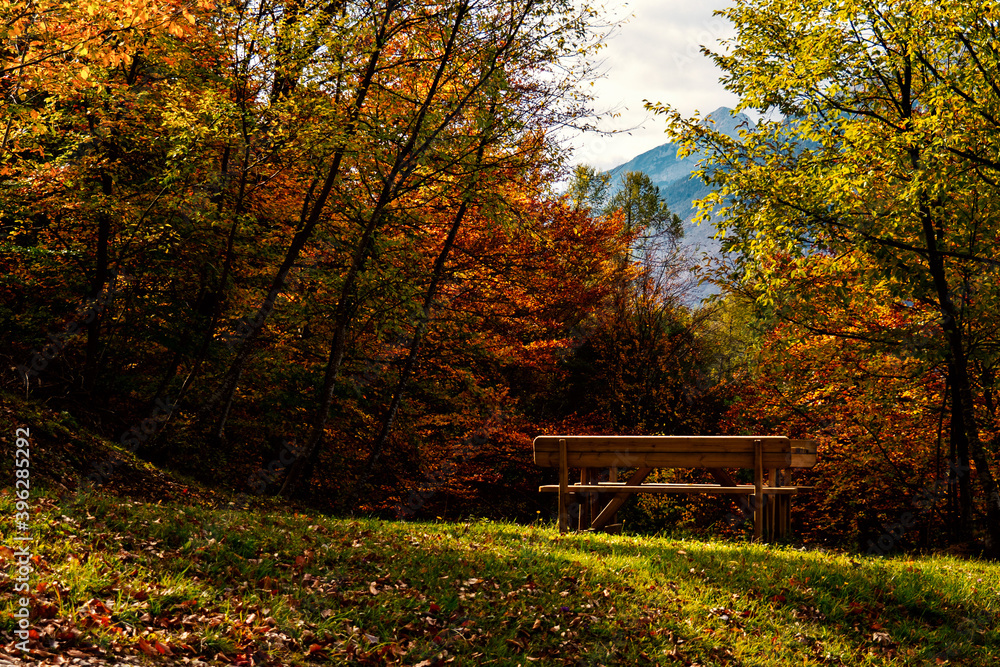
<point x="181" y="577"/>
<point x="136" y="583"/>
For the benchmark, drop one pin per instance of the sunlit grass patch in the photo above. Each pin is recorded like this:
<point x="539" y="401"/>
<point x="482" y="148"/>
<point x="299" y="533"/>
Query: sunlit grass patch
<point x="123" y="577"/>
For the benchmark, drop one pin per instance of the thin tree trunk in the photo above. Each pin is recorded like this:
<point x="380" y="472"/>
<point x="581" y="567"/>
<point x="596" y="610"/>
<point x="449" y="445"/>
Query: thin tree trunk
<point x="423" y="322"/>
<point x="219" y="288"/>
<point x="404" y="375"/>
<point x="969" y="442"/>
<point x="404" y="162"/>
<point x="963" y="404"/>
<point x="960" y="462"/>
<point x="101" y="270"/>
<point x="307" y="227"/>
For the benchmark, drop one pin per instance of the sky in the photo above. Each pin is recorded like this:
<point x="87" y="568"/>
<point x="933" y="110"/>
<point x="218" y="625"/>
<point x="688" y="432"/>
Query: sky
<point x="655" y="56"/>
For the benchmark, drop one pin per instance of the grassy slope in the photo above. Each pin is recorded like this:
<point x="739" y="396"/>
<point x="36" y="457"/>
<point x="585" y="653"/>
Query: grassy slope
<point x="288" y="589"/>
<point x="119" y="577"/>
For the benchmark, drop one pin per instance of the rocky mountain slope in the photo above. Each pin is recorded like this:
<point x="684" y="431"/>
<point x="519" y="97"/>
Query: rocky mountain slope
<point x="673" y="176"/>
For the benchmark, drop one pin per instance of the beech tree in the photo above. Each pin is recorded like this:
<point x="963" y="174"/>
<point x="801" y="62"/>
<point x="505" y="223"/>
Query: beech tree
<point x="879" y="137"/>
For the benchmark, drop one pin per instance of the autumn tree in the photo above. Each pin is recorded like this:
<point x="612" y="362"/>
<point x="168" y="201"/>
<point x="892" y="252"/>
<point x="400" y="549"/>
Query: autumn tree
<point x="479" y="47"/>
<point x="331" y="223"/>
<point x="90" y="183"/>
<point x="878" y="137"/>
<point x="643" y="347"/>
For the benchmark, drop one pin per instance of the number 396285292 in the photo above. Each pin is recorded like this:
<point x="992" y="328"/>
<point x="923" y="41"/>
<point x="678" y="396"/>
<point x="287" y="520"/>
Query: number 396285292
<point x="22" y="463"/>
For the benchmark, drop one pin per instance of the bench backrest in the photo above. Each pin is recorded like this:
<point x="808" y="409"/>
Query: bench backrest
<point x="674" y="451"/>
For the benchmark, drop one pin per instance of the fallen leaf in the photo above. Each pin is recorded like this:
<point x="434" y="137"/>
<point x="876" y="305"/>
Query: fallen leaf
<point x="146" y="648"/>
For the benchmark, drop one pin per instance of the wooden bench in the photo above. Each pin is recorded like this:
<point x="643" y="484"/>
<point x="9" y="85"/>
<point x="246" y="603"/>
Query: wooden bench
<point x="769" y="502"/>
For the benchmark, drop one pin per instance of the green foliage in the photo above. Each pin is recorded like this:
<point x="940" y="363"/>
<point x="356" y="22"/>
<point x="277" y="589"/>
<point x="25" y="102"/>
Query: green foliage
<point x="588" y="188"/>
<point x="643" y="208"/>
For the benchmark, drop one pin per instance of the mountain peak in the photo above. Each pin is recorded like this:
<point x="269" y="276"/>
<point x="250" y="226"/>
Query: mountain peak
<point x="728" y="122"/>
<point x="721" y="112"/>
<point x="673" y="175"/>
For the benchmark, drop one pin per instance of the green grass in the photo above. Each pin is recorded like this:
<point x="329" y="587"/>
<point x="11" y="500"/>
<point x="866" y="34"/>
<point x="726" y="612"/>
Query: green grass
<point x="122" y="577"/>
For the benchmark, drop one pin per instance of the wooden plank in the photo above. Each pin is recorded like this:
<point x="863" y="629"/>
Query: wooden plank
<point x="742" y="489"/>
<point x="592" y="498"/>
<point x="809" y="446"/>
<point x="592" y="459"/>
<point x="772" y="505"/>
<point x="612" y="479"/>
<point x="612" y="486"/>
<point x="613" y="519"/>
<point x="582" y="519"/>
<point x="659" y="445"/>
<point x="758" y="483"/>
<point x="624" y="444"/>
<point x="563" y="492"/>
<point x="609" y="511"/>
<point x="802" y="461"/>
<point x="803" y="453"/>
<point x="624" y="441"/>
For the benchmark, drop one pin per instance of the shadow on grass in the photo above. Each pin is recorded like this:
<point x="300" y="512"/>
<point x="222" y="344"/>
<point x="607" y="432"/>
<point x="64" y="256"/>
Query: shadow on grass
<point x="294" y="589"/>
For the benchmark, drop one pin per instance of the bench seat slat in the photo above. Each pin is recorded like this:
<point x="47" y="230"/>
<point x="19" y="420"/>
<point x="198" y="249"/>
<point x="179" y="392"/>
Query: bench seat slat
<point x="599" y="451"/>
<point x="688" y="459"/>
<point x="746" y="489"/>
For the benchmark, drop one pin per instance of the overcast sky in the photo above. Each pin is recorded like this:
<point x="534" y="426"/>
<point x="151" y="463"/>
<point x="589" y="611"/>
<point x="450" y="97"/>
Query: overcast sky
<point x="654" y="56"/>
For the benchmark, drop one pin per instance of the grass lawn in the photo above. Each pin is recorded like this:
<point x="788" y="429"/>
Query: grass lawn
<point x="176" y="584"/>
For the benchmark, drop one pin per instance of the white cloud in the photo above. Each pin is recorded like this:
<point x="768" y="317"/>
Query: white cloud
<point x="655" y="56"/>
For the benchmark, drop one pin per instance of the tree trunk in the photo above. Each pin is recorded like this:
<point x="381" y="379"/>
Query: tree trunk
<point x="218" y="289"/>
<point x="98" y="285"/>
<point x="403" y="164"/>
<point x="961" y="482"/>
<point x="963" y="402"/>
<point x="404" y="375"/>
<point x="306" y="229"/>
